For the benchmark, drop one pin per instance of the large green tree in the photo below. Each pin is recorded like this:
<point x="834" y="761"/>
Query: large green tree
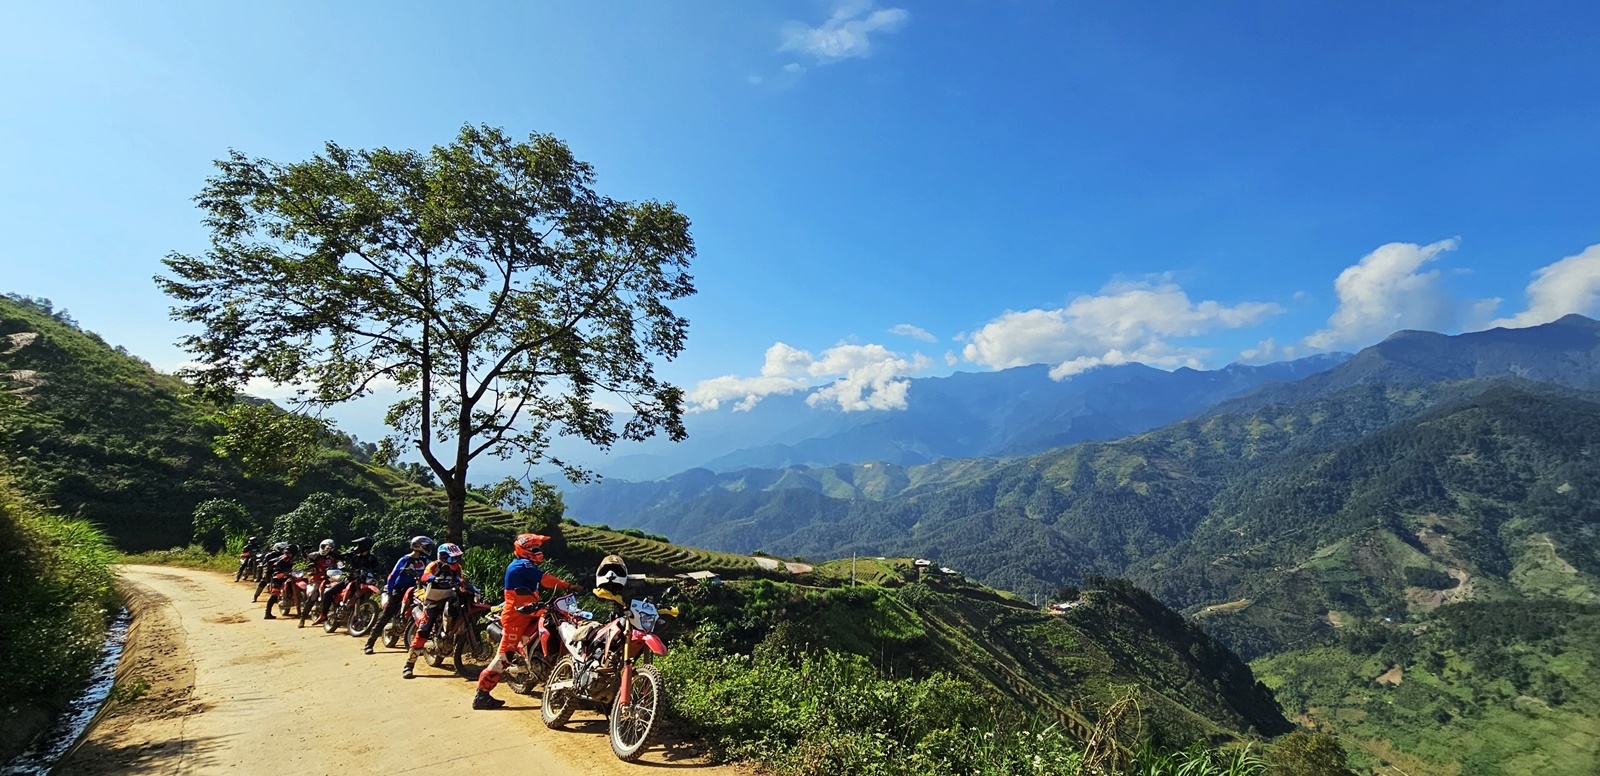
<point x="486" y="280"/>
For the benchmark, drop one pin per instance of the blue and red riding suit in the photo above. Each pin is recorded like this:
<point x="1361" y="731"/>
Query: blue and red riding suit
<point x="523" y="580"/>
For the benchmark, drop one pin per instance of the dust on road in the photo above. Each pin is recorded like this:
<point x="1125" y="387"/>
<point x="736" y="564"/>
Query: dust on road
<point x="230" y="692"/>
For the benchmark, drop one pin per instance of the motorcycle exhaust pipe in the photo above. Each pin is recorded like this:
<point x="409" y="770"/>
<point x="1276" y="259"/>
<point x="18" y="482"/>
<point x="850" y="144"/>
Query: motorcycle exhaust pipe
<point x="559" y="686"/>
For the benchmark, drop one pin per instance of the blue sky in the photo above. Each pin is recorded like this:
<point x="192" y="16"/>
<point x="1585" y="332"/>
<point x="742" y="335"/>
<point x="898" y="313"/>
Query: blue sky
<point x="1064" y="182"/>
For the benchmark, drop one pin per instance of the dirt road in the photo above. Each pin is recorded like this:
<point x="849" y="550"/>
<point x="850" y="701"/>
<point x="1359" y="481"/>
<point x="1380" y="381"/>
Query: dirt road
<point x="230" y="692"/>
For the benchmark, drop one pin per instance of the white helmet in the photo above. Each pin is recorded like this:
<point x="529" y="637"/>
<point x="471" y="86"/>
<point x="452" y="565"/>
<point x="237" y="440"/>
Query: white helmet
<point x="326" y="545"/>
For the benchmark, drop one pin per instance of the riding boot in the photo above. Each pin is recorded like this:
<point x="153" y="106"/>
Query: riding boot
<point x="484" y="700"/>
<point x="409" y="671"/>
<point x="272" y="601"/>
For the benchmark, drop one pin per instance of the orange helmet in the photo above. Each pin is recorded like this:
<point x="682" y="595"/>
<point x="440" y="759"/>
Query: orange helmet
<point x="527" y="546"/>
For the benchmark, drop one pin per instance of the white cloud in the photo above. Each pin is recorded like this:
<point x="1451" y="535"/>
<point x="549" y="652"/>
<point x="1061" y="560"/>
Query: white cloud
<point x="859" y="377"/>
<point x="794" y="67"/>
<point x="1387" y="291"/>
<point x="950" y="358"/>
<point x="1571" y="285"/>
<point x="914" y="332"/>
<point x="1267" y="351"/>
<point x="1126" y="321"/>
<point x="710" y="394"/>
<point x="782" y="372"/>
<point x="872" y="377"/>
<point x="753" y="80"/>
<point x="847" y="34"/>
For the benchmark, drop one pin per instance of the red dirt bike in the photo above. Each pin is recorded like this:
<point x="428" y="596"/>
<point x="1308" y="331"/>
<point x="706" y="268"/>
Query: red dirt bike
<point x="398" y="630"/>
<point x="316" y="581"/>
<point x="291" y="591"/>
<point x="249" y="566"/>
<point x="356" y="607"/>
<point x="610" y="666"/>
<point x="541" y="645"/>
<point x="461" y="635"/>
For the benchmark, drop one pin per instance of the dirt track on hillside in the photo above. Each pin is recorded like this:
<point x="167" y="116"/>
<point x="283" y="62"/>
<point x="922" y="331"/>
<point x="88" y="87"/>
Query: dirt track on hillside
<point x="233" y="693"/>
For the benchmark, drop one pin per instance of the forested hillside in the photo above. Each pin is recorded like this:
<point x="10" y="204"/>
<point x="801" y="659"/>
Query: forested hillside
<point x="1350" y="539"/>
<point x="98" y="433"/>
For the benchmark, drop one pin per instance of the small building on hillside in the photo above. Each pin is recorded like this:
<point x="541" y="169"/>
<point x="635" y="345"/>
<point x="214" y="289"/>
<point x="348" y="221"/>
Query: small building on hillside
<point x="698" y="578"/>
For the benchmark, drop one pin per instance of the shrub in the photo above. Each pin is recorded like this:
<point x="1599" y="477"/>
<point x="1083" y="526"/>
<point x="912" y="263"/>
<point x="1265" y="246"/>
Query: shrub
<point x="218" y="519"/>
<point x="1304" y="753"/>
<point x="320" y="516"/>
<point x="826" y="712"/>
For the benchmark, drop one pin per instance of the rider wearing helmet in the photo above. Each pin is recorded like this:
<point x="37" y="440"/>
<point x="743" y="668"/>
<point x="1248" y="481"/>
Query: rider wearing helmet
<point x="439" y="585"/>
<point x="523" y="580"/>
<point x="278" y="567"/>
<point x="404" y="576"/>
<point x="358" y="560"/>
<point x="266" y="578"/>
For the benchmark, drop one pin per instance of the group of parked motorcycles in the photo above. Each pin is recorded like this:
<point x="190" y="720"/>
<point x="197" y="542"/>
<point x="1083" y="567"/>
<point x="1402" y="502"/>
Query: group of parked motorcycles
<point x="569" y="659"/>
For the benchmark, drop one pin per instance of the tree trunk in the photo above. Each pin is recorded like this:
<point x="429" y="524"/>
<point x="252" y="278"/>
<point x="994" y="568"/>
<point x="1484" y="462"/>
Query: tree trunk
<point x="455" y="518"/>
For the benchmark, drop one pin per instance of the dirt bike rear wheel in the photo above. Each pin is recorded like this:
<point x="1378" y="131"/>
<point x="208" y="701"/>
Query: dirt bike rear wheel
<point x="555" y="708"/>
<point x="634" y="725"/>
<point x="286" y="602"/>
<point x="363" y="618"/>
<point x="335" y="619"/>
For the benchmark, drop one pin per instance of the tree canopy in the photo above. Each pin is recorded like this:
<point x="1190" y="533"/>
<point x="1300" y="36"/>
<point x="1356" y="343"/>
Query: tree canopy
<point x="485" y="281"/>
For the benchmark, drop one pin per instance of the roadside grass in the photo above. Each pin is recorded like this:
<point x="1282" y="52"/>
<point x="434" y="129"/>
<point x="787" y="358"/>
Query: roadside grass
<point x="193" y="556"/>
<point x="58" y="599"/>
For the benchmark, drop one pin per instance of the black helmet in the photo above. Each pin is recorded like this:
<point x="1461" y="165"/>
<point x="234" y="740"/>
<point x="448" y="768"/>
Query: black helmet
<point x="422" y="544"/>
<point x="294" y="549"/>
<point x="252" y="540"/>
<point x="363" y="544"/>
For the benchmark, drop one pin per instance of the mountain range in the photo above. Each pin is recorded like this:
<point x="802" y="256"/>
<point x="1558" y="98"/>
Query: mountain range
<point x="1010" y="412"/>
<point x="1406" y="544"/>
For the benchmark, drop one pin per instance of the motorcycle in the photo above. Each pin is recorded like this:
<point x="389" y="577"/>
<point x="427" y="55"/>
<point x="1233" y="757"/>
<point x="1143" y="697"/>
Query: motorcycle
<point x="541" y="647"/>
<point x="316" y="582"/>
<point x="398" y="630"/>
<point x="609" y="666"/>
<point x="356" y="607"/>
<point x="460" y="635"/>
<point x="292" y="591"/>
<point x="249" y="566"/>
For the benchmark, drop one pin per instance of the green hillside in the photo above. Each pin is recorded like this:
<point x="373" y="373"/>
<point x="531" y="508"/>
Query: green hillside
<point x="97" y="432"/>
<point x="1282" y="530"/>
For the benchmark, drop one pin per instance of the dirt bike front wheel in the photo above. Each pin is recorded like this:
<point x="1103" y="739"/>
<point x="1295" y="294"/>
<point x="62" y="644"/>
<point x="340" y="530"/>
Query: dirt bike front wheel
<point x="634" y="725"/>
<point x="467" y="654"/>
<point x="363" y="618"/>
<point x="555" y="707"/>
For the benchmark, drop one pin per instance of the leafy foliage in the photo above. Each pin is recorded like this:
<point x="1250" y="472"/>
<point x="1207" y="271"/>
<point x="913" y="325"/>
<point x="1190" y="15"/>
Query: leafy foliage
<point x="266" y="441"/>
<point x="218" y="519"/>
<point x="320" y="516"/>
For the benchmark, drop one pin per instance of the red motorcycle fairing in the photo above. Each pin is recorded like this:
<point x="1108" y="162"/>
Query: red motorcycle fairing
<point x="650" y="640"/>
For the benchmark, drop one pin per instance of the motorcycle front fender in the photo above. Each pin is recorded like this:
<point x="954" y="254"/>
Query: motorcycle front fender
<point x="652" y="641"/>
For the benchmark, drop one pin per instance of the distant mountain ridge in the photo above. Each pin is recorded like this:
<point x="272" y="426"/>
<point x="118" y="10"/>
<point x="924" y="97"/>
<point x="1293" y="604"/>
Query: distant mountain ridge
<point x="1563" y="352"/>
<point x="1010" y="412"/>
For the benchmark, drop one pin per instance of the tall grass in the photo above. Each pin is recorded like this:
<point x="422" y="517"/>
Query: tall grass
<point x="57" y="596"/>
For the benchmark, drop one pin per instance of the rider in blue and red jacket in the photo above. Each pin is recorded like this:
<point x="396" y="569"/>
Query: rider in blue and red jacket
<point x="523" y="581"/>
<point x="406" y="572"/>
